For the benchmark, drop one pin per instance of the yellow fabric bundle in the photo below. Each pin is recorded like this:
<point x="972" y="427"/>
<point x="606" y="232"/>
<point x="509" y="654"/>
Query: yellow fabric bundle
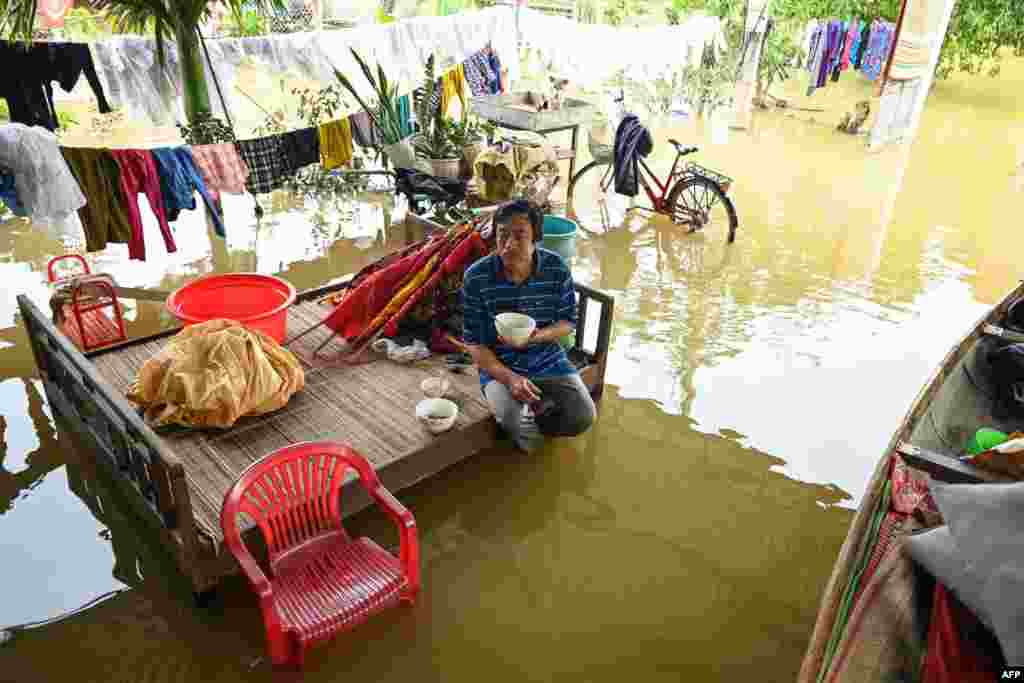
<point x="212" y="373"/>
<point x="497" y="170"/>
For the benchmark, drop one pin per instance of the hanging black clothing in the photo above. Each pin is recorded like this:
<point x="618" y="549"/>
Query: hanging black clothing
<point x="29" y="73"/>
<point x="632" y="141"/>
<point x="301" y="148"/>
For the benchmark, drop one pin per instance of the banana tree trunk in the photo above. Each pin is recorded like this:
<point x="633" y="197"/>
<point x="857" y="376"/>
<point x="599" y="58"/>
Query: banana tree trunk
<point x="193" y="76"/>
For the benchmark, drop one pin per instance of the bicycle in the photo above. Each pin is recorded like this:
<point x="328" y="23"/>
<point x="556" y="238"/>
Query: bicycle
<point x="689" y="195"/>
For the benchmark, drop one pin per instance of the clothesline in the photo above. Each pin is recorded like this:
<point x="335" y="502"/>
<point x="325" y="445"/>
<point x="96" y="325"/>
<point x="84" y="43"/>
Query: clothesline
<point x="129" y="70"/>
<point x="44" y="181"/>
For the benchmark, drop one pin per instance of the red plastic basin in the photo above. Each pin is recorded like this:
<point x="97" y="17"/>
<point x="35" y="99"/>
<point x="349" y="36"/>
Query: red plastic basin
<point x="260" y="302"/>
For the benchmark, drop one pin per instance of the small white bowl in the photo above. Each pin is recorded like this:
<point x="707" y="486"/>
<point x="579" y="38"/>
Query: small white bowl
<point x="435" y="387"/>
<point x="516" y="327"/>
<point x="438" y="414"/>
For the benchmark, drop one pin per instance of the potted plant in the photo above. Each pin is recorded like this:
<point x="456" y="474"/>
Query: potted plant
<point x="469" y="135"/>
<point x="434" y="141"/>
<point x="383" y="113"/>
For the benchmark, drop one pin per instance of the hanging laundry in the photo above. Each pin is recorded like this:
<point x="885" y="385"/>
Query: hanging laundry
<point x="856" y="28"/>
<point x="180" y="179"/>
<point x="836" y="56"/>
<point x="806" y="42"/>
<point x="336" y="144"/>
<point x="476" y="69"/>
<point x="879" y="46"/>
<point x="45" y="187"/>
<point x="139" y="176"/>
<point x="437" y="96"/>
<point x="862" y="46"/>
<point x="301" y="148"/>
<point x="68" y="62"/>
<point x="405" y="116"/>
<point x="852" y="34"/>
<point x="104" y="218"/>
<point x="831" y="47"/>
<point x="816" y="58"/>
<point x="136" y="83"/>
<point x="222" y="168"/>
<point x="9" y="195"/>
<point x="498" y="84"/>
<point x="461" y="89"/>
<point x="453" y="86"/>
<point x="268" y="165"/>
<point x="30" y="71"/>
<point x="364" y="133"/>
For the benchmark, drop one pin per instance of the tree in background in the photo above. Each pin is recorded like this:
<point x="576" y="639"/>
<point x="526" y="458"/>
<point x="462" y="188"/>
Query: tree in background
<point x="175" y="20"/>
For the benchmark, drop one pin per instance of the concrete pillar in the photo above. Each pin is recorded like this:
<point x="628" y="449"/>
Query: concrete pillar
<point x="746" y="84"/>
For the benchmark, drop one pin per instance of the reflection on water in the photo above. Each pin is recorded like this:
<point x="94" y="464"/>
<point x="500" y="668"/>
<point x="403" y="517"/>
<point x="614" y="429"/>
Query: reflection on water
<point x="750" y="396"/>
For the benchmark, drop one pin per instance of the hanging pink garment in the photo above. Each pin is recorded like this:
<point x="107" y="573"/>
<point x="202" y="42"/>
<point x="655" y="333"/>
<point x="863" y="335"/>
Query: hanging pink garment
<point x="222" y="168"/>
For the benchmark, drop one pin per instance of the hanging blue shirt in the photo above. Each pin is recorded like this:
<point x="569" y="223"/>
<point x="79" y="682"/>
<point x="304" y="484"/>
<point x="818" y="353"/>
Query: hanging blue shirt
<point x="548" y="296"/>
<point x="179" y="180"/>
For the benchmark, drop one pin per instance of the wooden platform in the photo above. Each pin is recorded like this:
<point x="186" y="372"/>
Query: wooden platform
<point x="179" y="477"/>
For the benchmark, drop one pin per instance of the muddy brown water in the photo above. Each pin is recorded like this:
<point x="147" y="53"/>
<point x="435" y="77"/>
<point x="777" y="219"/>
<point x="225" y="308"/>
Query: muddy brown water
<point x="688" y="535"/>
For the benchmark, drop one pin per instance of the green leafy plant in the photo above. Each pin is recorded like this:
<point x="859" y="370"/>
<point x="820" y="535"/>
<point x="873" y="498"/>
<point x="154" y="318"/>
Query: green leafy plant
<point x="471" y="130"/>
<point x="318" y="106"/>
<point x="248" y="23"/>
<point x="434" y="140"/>
<point x="710" y="85"/>
<point x="206" y="129"/>
<point x="384" y="110"/>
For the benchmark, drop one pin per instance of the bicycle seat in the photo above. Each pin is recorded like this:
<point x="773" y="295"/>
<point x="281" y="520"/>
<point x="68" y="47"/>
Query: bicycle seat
<point x="683" y="151"/>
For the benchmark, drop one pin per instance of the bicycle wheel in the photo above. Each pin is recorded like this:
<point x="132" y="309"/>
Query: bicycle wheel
<point x="699" y="203"/>
<point x="592" y="200"/>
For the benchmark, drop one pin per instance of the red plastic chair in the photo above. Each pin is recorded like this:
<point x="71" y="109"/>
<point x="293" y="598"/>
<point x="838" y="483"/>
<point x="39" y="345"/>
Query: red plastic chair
<point x="321" y="581"/>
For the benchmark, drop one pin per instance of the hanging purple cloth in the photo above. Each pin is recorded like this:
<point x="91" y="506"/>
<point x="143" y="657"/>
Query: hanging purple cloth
<point x="831" y="49"/>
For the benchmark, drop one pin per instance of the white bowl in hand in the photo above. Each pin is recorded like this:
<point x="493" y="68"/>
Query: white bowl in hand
<point x="438" y="414"/>
<point x="515" y="327"/>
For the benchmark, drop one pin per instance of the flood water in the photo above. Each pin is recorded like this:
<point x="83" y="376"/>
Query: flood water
<point x="688" y="535"/>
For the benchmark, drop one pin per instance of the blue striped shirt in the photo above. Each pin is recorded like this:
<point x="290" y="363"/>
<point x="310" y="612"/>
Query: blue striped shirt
<point x="547" y="296"/>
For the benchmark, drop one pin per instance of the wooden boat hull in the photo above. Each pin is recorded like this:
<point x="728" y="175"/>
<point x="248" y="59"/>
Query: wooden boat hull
<point x="951" y="404"/>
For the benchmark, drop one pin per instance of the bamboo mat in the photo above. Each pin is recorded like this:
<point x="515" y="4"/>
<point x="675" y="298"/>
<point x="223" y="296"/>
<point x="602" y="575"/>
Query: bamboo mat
<point x="370" y="406"/>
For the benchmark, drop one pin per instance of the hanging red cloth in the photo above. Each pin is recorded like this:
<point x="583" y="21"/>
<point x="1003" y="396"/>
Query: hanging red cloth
<point x="951" y="658"/>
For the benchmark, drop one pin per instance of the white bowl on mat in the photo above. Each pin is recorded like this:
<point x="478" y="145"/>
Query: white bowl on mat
<point x="516" y="327"/>
<point x="435" y="387"/>
<point x="438" y="414"/>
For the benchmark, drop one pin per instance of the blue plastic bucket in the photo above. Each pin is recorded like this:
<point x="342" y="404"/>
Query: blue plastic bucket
<point x="560" y="236"/>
